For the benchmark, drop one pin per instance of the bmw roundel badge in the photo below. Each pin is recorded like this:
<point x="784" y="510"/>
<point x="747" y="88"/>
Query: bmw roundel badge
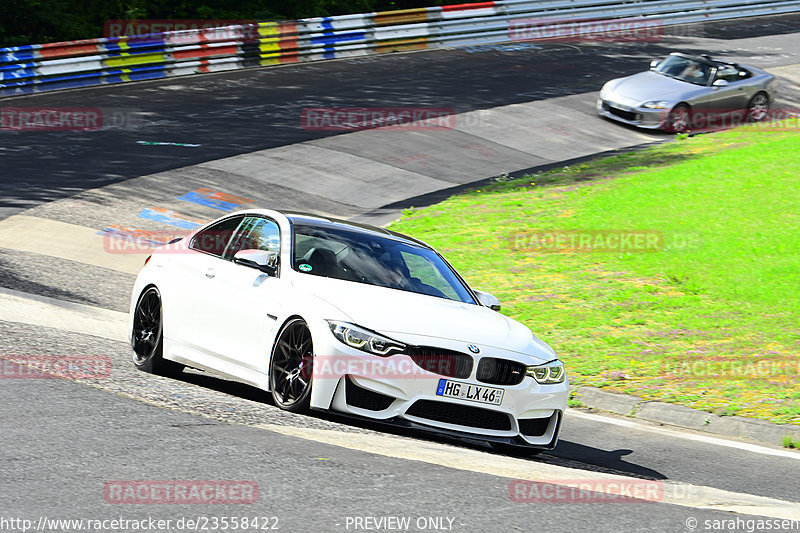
<point x="473" y="348"/>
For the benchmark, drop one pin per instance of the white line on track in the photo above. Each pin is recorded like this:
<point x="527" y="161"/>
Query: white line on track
<point x="683" y="494"/>
<point x="25" y="308"/>
<point x="67" y="241"/>
<point x="661" y="430"/>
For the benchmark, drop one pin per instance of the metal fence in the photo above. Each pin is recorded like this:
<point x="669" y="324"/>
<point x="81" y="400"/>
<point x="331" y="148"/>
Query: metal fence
<point x="48" y="67"/>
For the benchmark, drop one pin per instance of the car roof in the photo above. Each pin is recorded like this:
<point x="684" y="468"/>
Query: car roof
<point x="311" y="219"/>
<point x="707" y="59"/>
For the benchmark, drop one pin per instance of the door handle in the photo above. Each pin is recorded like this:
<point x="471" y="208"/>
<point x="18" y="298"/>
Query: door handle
<point x="210" y="273"/>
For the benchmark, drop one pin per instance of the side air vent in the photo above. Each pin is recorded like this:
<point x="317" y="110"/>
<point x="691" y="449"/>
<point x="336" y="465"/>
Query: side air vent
<point x="364" y="398"/>
<point x="534" y="427"/>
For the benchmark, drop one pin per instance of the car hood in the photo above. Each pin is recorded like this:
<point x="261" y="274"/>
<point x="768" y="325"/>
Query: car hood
<point x="402" y="314"/>
<point x="646" y="86"/>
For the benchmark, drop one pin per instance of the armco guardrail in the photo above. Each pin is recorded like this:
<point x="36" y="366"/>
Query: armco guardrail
<point x="49" y="67"/>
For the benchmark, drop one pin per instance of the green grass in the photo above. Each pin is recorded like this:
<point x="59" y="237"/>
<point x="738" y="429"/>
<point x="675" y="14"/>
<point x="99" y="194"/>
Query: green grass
<point x="683" y="324"/>
<point x="789" y="442"/>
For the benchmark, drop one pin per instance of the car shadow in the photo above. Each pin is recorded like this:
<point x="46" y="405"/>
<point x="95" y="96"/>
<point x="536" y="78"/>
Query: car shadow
<point x="567" y="454"/>
<point x="224" y="385"/>
<point x="602" y="460"/>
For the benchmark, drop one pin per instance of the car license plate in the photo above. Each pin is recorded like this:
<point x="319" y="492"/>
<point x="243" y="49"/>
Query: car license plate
<point x="467" y="391"/>
<point x="619" y="106"/>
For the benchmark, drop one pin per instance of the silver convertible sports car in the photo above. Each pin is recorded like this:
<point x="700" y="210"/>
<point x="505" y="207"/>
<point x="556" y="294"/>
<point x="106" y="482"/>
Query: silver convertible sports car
<point x="683" y="92"/>
<point x="332" y="315"/>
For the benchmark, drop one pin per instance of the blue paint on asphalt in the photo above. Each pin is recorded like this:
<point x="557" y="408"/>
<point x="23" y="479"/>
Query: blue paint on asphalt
<point x="198" y="198"/>
<point x="160" y="216"/>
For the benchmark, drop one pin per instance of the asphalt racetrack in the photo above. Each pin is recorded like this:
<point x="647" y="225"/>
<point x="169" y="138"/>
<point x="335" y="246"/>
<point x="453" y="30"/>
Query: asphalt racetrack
<point x="64" y="292"/>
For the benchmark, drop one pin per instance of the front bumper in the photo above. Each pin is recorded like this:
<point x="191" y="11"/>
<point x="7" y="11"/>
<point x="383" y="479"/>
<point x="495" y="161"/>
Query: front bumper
<point x="396" y="390"/>
<point x="640" y="117"/>
<point x="514" y="441"/>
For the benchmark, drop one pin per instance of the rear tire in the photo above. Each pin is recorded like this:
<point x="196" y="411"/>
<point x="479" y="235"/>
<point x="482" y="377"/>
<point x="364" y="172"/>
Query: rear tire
<point x="291" y="367"/>
<point x="758" y="107"/>
<point x="147" y="337"/>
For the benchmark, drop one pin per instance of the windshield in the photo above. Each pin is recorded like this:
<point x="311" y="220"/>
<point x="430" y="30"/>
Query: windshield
<point x="685" y="69"/>
<point x="368" y="258"/>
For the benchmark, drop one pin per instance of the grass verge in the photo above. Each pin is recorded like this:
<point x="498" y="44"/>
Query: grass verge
<point x="706" y="316"/>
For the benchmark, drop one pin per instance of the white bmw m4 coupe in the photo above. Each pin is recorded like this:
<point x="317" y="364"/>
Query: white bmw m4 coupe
<point x="332" y="315"/>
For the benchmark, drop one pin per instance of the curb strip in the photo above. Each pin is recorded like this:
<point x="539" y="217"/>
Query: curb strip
<point x="685" y="417"/>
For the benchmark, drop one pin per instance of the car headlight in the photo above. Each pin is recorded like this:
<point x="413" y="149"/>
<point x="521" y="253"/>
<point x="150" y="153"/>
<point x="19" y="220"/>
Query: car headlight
<point x="656" y="104"/>
<point x="548" y="373"/>
<point x="363" y="339"/>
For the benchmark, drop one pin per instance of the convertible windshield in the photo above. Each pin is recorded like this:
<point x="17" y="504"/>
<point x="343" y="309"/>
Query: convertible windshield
<point x="685" y="69"/>
<point x="362" y="257"/>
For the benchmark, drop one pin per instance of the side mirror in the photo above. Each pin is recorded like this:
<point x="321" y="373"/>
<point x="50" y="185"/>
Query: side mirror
<point x="488" y="300"/>
<point x="654" y="63"/>
<point x="720" y="83"/>
<point x="264" y="260"/>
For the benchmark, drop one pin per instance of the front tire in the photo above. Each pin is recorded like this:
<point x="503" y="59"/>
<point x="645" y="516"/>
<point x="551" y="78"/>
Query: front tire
<point x="147" y="337"/>
<point x="758" y="107"/>
<point x="291" y="367"/>
<point x="679" y="119"/>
